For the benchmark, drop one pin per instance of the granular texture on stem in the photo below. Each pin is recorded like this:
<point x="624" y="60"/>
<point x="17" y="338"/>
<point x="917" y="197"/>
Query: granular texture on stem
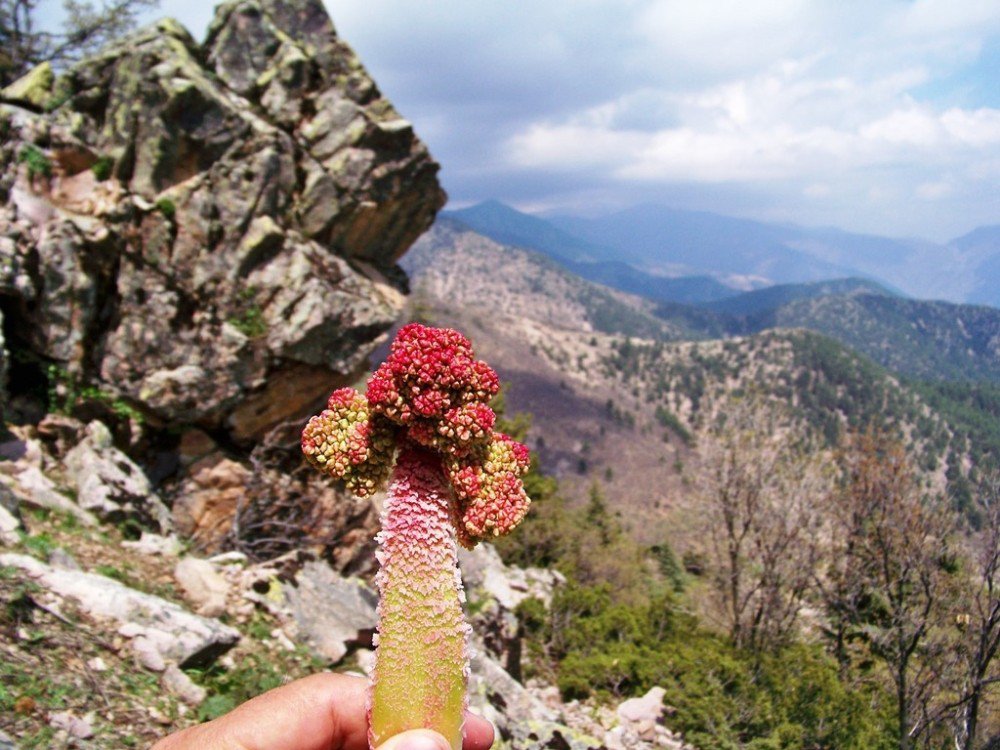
<point x="421" y="671"/>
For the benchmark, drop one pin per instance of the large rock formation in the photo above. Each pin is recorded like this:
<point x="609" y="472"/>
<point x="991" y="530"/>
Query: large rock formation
<point x="204" y="236"/>
<point x="259" y="191"/>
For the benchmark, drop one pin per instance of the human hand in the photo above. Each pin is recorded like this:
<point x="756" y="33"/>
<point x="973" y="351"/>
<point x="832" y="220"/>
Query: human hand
<point x="322" y="712"/>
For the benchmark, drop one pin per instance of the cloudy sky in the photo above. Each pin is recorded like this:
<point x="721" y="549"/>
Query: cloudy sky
<point x="872" y="115"/>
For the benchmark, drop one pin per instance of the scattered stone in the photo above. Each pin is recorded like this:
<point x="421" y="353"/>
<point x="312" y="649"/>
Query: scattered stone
<point x="97" y="664"/>
<point x="60" y="433"/>
<point x="496" y="695"/>
<point x="543" y="735"/>
<point x="648" y="708"/>
<point x="283" y="640"/>
<point x="176" y="634"/>
<point x="36" y="490"/>
<point x="73" y="725"/>
<point x="155" y="544"/>
<point x="178" y="683"/>
<point x="229" y="558"/>
<point x="60" y="558"/>
<point x="6" y="743"/>
<point x="202" y="585"/>
<point x="331" y="614"/>
<point x="484" y="571"/>
<point x="110" y="484"/>
<point x="148" y="653"/>
<point x="10" y="524"/>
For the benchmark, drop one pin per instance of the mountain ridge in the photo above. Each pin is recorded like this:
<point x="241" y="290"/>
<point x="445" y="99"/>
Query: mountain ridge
<point x="665" y="242"/>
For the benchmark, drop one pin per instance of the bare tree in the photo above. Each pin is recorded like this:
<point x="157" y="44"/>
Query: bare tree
<point x="759" y="493"/>
<point x="23" y="44"/>
<point x="888" y="584"/>
<point x="979" y="621"/>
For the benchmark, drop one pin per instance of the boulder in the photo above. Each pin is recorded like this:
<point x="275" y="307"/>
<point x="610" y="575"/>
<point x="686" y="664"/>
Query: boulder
<point x="330" y="614"/>
<point x="36" y="490"/>
<point x="110" y="484"/>
<point x="647" y="709"/>
<point x="278" y="506"/>
<point x="202" y="585"/>
<point x="153" y="545"/>
<point x="33" y="88"/>
<point x="494" y="591"/>
<point x="170" y="631"/>
<point x="206" y="502"/>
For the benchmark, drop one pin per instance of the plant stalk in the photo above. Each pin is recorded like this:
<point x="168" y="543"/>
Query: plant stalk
<point x="421" y="662"/>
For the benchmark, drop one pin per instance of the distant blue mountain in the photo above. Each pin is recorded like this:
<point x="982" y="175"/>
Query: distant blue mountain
<point x="983" y="245"/>
<point x="689" y="290"/>
<point x="593" y="262"/>
<point x="696" y="242"/>
<point x="509" y="226"/>
<point x="645" y="248"/>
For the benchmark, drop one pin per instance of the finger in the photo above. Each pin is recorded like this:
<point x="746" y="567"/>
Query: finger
<point x="477" y="733"/>
<point x="416" y="739"/>
<point x="322" y="712"/>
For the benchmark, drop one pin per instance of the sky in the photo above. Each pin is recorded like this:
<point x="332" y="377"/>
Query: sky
<point x="878" y="116"/>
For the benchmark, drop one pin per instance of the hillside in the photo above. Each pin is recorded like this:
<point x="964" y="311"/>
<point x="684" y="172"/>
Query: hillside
<point x="925" y="340"/>
<point x="611" y="404"/>
<point x="772" y="297"/>
<point x="452" y="263"/>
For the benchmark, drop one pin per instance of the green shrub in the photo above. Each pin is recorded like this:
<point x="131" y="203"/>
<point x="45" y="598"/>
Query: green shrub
<point x="102" y="168"/>
<point x="38" y="163"/>
<point x="166" y="207"/>
<point x="66" y="393"/>
<point x="250" y="322"/>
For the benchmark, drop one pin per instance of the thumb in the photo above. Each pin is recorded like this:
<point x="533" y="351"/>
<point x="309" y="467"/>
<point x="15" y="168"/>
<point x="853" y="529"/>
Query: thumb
<point x="416" y="739"/>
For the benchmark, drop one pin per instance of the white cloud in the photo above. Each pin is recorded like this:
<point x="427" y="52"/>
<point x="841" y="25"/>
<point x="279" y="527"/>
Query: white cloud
<point x="817" y="111"/>
<point x="932" y="191"/>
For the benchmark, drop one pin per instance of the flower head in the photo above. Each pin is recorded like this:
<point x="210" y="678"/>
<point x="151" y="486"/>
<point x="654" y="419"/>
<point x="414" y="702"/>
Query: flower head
<point x="432" y="385"/>
<point x="487" y="484"/>
<point x="431" y="391"/>
<point x="348" y="442"/>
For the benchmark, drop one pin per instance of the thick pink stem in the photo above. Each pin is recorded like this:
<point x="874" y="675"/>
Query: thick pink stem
<point x="421" y="666"/>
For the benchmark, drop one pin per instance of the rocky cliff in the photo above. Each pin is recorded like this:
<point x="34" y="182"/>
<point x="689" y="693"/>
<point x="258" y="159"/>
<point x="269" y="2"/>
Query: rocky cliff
<point x="198" y="242"/>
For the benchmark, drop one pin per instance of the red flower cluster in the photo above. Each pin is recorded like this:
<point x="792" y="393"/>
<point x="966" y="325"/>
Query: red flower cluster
<point x="432" y="385"/>
<point x="487" y="483"/>
<point x="433" y="392"/>
<point x="348" y="442"/>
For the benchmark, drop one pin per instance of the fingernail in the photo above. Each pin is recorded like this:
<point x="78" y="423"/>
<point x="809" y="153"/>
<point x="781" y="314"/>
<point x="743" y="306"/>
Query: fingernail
<point x="416" y="739"/>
